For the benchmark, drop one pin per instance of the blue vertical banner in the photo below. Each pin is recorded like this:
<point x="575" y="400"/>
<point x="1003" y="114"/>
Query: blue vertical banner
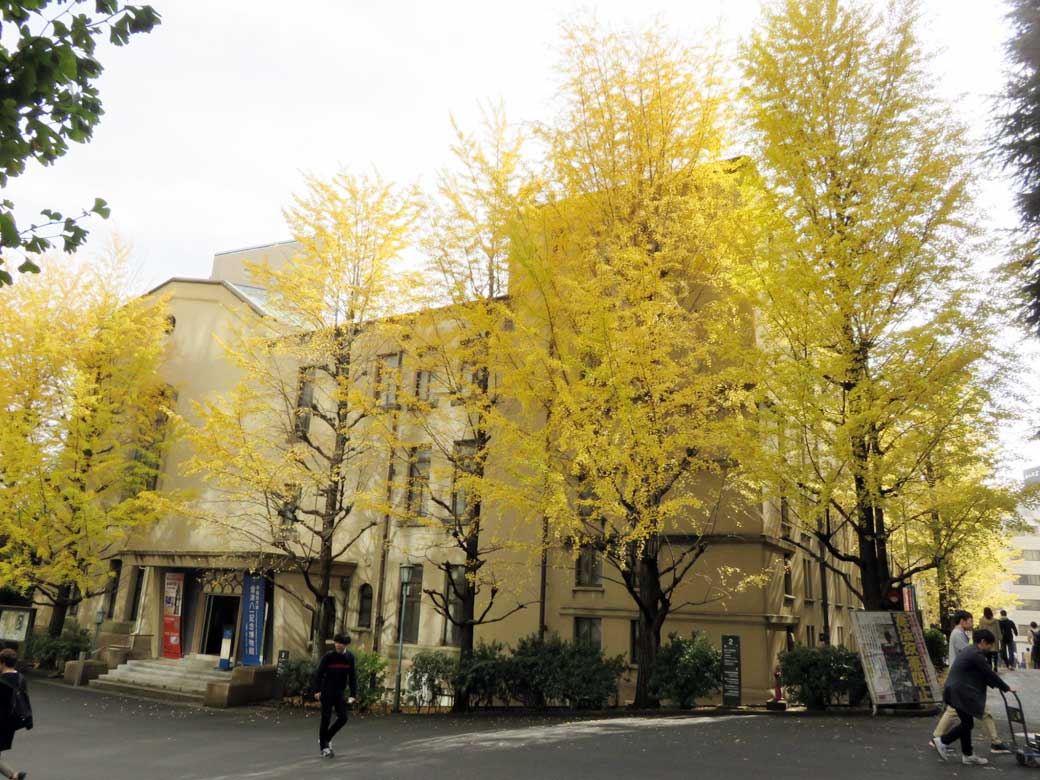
<point x="254" y="606"/>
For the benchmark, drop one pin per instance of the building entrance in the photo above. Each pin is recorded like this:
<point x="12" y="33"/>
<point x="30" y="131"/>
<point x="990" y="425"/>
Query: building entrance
<point x="221" y="613"/>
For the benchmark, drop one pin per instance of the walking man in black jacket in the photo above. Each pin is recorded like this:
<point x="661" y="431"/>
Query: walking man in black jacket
<point x="966" y="692"/>
<point x="336" y="669"/>
<point x="1008" y="632"/>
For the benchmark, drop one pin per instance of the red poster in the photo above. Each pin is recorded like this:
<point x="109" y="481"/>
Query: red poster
<point x="173" y="593"/>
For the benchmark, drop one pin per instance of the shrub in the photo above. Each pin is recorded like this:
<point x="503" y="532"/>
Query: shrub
<point x="297" y="677"/>
<point x="820" y="675"/>
<point x="431" y="677"/>
<point x="54" y="651"/>
<point x="553" y="671"/>
<point x="687" y="669"/>
<point x="483" y="674"/>
<point x="371" y="674"/>
<point x="936" y="642"/>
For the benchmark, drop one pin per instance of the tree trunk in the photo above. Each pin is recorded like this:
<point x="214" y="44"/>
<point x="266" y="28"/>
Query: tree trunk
<point x="59" y="611"/>
<point x="652" y="613"/>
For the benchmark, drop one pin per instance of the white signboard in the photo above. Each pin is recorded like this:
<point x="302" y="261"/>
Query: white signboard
<point x="895" y="658"/>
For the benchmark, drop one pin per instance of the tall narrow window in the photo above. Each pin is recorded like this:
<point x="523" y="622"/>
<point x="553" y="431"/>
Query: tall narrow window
<point x="387" y="376"/>
<point x="304" y="402"/>
<point x="785" y="517"/>
<point x="113" y="589"/>
<point x="424" y="382"/>
<point x="465" y="454"/>
<point x="788" y="578"/>
<point x="364" y="619"/>
<point x="455" y="586"/>
<point x="810" y="581"/>
<point x="75" y="597"/>
<point x="588" y="631"/>
<point x="418" y="502"/>
<point x="135" y="601"/>
<point x="412" y="606"/>
<point x="589" y="569"/>
<point x="289" y="503"/>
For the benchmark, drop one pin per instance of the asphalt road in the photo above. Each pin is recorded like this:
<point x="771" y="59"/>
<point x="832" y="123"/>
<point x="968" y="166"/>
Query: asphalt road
<point x="85" y="735"/>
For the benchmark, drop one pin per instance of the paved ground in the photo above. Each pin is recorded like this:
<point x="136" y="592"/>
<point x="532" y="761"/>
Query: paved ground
<point x="91" y="736"/>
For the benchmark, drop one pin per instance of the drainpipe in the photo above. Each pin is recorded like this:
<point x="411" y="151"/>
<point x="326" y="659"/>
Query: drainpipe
<point x="544" y="579"/>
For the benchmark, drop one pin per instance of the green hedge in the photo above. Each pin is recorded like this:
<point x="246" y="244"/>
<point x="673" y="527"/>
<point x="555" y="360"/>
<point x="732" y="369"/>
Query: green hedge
<point x="937" y="645"/>
<point x="483" y="674"/>
<point x="687" y="669"/>
<point x="819" y="676"/>
<point x="431" y="676"/>
<point x="297" y="678"/>
<point x="53" y="651"/>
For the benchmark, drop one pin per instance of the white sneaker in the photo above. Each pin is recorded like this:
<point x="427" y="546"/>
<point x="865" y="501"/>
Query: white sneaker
<point x="326" y="753"/>
<point x="940" y="748"/>
<point x="979" y="760"/>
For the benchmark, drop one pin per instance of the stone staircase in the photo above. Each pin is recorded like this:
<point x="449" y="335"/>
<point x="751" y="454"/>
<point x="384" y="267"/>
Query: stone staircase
<point x="182" y="679"/>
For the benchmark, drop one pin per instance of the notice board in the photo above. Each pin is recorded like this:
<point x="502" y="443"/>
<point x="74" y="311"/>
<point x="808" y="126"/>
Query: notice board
<point x="895" y="658"/>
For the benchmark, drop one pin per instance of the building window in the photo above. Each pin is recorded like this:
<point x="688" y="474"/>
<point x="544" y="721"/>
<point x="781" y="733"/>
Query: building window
<point x="1029" y="605"/>
<point x="1028" y="579"/>
<point x="790" y="640"/>
<point x="785" y="517"/>
<point x="75" y="598"/>
<point x="810" y="636"/>
<point x="788" y="578"/>
<point x="633" y="642"/>
<point x="588" y="570"/>
<point x="289" y="503"/>
<point x="454" y="586"/>
<point x="113" y="589"/>
<point x="364" y="618"/>
<point x="387" y="369"/>
<point x="418" y="503"/>
<point x="588" y="631"/>
<point x="1031" y="555"/>
<point x="135" y="601"/>
<point x="839" y="635"/>
<point x="810" y="582"/>
<point x="304" y="402"/>
<point x="413" y="605"/>
<point x="465" y="466"/>
<point x="424" y="380"/>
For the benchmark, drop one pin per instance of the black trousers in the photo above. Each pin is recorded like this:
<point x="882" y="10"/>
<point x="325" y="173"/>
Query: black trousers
<point x="330" y="702"/>
<point x="961" y="731"/>
<point x="1007" y="651"/>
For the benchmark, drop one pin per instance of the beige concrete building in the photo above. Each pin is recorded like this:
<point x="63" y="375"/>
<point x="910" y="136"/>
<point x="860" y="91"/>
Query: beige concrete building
<point x="798" y="603"/>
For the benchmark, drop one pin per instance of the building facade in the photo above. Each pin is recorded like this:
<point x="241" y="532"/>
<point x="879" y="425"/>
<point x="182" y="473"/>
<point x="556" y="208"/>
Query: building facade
<point x="199" y="570"/>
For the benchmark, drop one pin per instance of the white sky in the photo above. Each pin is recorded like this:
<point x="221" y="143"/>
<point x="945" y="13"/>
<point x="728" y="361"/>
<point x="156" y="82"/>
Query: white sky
<point x="211" y="119"/>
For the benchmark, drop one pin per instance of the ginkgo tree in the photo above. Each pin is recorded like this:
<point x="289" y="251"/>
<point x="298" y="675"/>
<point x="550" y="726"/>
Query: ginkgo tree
<point x="877" y="365"/>
<point x="84" y="418"/>
<point x="624" y="313"/>
<point x="451" y="399"/>
<point x="288" y="454"/>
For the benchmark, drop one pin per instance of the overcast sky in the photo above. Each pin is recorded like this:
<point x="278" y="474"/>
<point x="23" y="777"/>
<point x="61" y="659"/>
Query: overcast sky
<point x="211" y="119"/>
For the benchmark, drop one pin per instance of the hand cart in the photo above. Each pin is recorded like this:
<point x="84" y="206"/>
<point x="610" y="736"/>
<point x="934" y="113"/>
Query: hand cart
<point x="1026" y="746"/>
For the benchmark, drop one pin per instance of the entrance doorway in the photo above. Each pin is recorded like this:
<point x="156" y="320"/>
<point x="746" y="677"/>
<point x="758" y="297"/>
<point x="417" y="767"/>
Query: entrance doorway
<point x="221" y="613"/>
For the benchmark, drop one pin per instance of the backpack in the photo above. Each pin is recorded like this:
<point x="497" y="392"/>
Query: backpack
<point x="20" y="713"/>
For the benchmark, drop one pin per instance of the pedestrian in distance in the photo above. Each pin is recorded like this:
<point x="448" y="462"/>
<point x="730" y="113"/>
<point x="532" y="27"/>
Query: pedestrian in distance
<point x="15" y="709"/>
<point x="336" y="670"/>
<point x="1034" y="645"/>
<point x="989" y="623"/>
<point x="1008" y="632"/>
<point x="965" y="691"/>
<point x="960" y="640"/>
